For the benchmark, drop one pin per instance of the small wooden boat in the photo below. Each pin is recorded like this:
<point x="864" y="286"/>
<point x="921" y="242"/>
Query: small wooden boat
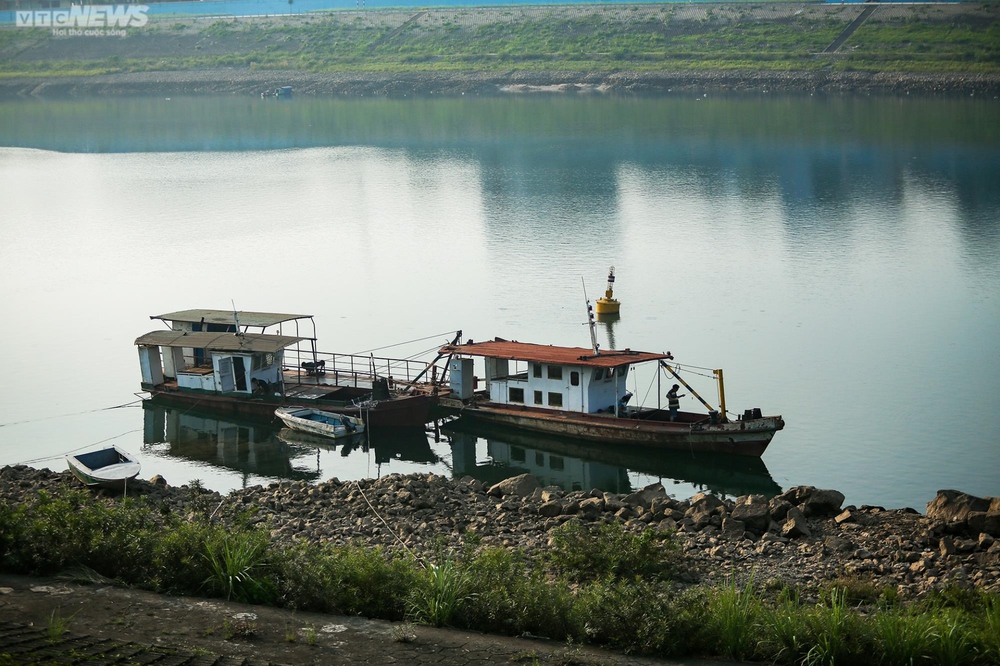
<point x="317" y="422"/>
<point x="106" y="468"/>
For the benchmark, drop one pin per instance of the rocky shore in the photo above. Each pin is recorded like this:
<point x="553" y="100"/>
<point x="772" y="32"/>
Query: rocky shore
<point x="802" y="537"/>
<point x="242" y="81"/>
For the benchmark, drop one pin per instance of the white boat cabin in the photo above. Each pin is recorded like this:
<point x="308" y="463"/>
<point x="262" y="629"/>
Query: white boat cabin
<point x="571" y="379"/>
<point x="213" y="351"/>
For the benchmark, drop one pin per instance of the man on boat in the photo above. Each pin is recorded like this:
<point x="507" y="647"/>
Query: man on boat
<point x="674" y="401"/>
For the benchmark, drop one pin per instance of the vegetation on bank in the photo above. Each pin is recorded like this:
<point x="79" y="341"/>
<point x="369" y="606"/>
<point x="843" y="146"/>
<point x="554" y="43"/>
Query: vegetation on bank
<point x="595" y="39"/>
<point x="600" y="584"/>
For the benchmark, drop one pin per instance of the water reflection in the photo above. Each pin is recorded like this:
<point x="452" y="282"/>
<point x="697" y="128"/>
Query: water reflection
<point x="262" y="451"/>
<point x="577" y="465"/>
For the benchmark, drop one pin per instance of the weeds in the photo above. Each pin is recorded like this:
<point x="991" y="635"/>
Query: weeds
<point x="235" y="560"/>
<point x="590" y="589"/>
<point x="440" y="595"/>
<point x="57" y="625"/>
<point x="735" y="615"/>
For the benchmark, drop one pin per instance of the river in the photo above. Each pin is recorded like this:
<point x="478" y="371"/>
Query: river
<point x="838" y="257"/>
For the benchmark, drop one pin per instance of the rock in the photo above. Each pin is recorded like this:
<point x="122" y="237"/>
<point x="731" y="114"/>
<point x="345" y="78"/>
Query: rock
<point x="158" y="480"/>
<point x="962" y="512"/>
<point x="646" y="496"/>
<point x="814" y="501"/>
<point x="706" y="501"/>
<point x="550" y="509"/>
<point x="522" y="486"/>
<point x="733" y="528"/>
<point x="795" y="525"/>
<point x="592" y="506"/>
<point x="947" y="546"/>
<point x="845" y="516"/>
<point x="779" y="508"/>
<point x="754" y="511"/>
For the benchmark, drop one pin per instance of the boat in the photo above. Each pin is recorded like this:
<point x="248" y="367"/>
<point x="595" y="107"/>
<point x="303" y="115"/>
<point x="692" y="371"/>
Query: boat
<point x="582" y="393"/>
<point x="317" y="422"/>
<point x="608" y="304"/>
<point x="246" y="364"/>
<point x="110" y="468"/>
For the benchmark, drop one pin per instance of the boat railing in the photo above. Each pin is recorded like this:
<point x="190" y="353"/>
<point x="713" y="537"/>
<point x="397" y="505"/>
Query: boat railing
<point x="357" y="370"/>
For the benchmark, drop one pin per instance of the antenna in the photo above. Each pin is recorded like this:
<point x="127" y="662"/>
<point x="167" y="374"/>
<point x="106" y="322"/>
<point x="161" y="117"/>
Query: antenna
<point x="590" y="318"/>
<point x="236" y="318"/>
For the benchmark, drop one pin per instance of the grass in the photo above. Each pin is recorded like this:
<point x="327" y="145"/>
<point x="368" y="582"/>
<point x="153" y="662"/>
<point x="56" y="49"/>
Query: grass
<point x="609" y="586"/>
<point x="594" y="39"/>
<point x="57" y="625"/>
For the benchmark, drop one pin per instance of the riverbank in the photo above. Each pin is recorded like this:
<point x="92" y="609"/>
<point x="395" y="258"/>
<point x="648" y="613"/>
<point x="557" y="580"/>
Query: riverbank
<point x="243" y="82"/>
<point x="510" y="559"/>
<point x="801" y="538"/>
<point x="641" y="49"/>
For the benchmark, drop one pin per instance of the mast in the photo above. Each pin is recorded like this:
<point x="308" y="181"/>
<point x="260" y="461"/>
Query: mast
<point x="590" y="319"/>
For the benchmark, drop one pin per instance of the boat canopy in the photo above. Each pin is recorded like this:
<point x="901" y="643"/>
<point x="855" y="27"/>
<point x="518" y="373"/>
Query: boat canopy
<point x="578" y="356"/>
<point x="225" y="317"/>
<point x="230" y="342"/>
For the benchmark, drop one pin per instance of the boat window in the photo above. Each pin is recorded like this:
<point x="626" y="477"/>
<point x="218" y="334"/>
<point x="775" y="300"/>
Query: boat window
<point x="555" y="372"/>
<point x="515" y="395"/>
<point x="536" y="370"/>
<point x="555" y="399"/>
<point x="610" y="375"/>
<point x="574" y="378"/>
<point x="517" y="453"/>
<point x="539" y="458"/>
<point x="598" y="374"/>
<point x="538" y="397"/>
<point x="556" y="462"/>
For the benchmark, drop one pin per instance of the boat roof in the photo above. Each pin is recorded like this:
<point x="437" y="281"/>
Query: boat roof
<point x="247" y="342"/>
<point x="579" y="356"/>
<point x="226" y="317"/>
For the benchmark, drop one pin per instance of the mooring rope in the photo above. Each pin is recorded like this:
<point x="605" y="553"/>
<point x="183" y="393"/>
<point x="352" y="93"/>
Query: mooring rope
<point x="400" y="344"/>
<point x="85" y="446"/>
<point x="59" y="416"/>
<point x="379" y="516"/>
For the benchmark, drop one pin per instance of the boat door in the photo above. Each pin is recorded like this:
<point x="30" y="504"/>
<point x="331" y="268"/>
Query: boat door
<point x="226" y="382"/>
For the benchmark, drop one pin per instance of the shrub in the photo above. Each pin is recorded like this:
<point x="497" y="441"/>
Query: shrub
<point x="238" y="567"/>
<point x="581" y="553"/>
<point x="351" y="580"/>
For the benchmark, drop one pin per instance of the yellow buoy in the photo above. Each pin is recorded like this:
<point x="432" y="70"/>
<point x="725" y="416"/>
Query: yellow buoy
<point x="608" y="304"/>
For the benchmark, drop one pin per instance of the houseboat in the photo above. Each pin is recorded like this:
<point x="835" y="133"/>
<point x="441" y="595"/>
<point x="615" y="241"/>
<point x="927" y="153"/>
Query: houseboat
<point x="581" y="393"/>
<point x="251" y="363"/>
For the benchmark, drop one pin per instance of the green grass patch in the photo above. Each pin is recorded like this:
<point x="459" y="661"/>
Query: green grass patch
<point x="603" y="585"/>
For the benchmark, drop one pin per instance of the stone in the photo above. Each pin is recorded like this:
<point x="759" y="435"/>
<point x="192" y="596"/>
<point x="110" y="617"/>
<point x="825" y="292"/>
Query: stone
<point x="754" y="511"/>
<point x="646" y="496"/>
<point x="733" y="528"/>
<point x="158" y="480"/>
<point x="706" y="501"/>
<point x="522" y="486"/>
<point x="795" y="526"/>
<point x="550" y="509"/>
<point x="592" y="506"/>
<point x="947" y="546"/>
<point x="779" y="508"/>
<point x="814" y="501"/>
<point x="845" y="516"/>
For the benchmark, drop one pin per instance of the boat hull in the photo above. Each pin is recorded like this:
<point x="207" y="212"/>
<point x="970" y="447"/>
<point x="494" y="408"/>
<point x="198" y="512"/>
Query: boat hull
<point x="746" y="438"/>
<point x="400" y="412"/>
<point x="109" y="468"/>
<point x="321" y="423"/>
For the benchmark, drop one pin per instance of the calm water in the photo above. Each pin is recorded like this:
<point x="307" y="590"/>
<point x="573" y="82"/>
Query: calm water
<point x="838" y="257"/>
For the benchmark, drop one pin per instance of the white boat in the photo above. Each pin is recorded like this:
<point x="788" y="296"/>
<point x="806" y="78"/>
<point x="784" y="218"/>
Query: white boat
<point x="317" y="422"/>
<point x="106" y="468"/>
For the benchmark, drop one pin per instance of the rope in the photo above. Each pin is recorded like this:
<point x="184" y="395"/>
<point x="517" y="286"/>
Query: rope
<point x="379" y="516"/>
<point x="400" y="344"/>
<point x="59" y="416"/>
<point x="85" y="446"/>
